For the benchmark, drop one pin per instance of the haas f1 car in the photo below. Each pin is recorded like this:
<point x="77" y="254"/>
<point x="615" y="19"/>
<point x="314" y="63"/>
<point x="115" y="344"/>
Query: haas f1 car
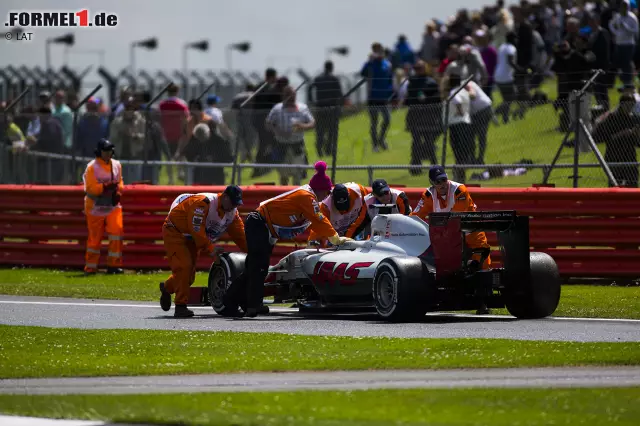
<point x="406" y="269"/>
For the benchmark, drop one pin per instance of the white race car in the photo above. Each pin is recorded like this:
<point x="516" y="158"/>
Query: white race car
<point x="405" y="269"/>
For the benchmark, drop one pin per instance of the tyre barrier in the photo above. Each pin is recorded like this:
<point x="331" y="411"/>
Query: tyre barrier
<point x="591" y="233"/>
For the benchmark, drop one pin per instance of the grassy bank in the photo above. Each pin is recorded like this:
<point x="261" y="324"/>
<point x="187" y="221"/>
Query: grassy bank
<point x="57" y="352"/>
<point x="491" y="407"/>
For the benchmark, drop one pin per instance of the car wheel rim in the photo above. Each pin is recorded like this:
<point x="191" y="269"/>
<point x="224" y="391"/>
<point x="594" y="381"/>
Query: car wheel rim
<point x="218" y="287"/>
<point x="386" y="290"/>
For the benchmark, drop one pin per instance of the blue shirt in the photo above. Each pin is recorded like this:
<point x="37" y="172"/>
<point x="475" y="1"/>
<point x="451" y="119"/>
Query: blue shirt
<point x="380" y="75"/>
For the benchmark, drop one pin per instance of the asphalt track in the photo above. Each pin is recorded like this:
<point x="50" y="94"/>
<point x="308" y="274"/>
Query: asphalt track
<point x="89" y="314"/>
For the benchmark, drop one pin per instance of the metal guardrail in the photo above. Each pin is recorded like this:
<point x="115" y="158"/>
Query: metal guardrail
<point x="369" y="168"/>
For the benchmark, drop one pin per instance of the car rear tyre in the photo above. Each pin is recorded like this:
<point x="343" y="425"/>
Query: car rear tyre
<point x="539" y="296"/>
<point x="222" y="275"/>
<point x="399" y="290"/>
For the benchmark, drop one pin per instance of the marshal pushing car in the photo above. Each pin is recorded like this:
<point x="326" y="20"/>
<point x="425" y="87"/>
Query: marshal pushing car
<point x="406" y="269"/>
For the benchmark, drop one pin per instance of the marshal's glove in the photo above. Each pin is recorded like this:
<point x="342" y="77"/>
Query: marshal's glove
<point x="338" y="241"/>
<point x="115" y="198"/>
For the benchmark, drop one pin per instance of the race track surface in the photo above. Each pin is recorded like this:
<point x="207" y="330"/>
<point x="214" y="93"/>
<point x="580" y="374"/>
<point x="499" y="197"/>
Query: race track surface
<point x="88" y="314"/>
<point x="330" y="380"/>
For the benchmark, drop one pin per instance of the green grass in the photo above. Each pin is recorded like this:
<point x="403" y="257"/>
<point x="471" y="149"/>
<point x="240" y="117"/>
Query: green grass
<point x="59" y="352"/>
<point x="491" y="407"/>
<point x="533" y="138"/>
<point x="577" y="300"/>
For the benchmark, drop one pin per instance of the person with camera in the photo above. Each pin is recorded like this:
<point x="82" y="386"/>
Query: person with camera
<point x="103" y="186"/>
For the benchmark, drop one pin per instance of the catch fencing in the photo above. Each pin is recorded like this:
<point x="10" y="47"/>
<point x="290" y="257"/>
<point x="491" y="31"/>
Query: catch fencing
<point x="593" y="233"/>
<point x="502" y="142"/>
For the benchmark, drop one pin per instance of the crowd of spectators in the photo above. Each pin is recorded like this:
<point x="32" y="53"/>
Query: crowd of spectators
<point x="511" y="50"/>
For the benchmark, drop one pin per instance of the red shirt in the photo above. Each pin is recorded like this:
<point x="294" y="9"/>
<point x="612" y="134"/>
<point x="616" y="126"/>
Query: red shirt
<point x="443" y="65"/>
<point x="173" y="112"/>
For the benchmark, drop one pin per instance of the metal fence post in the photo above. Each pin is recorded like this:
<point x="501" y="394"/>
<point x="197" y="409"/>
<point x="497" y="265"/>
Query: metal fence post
<point x="74" y="133"/>
<point x="147" y="128"/>
<point x="334" y="149"/>
<point x="236" y="151"/>
<point x="576" y="153"/>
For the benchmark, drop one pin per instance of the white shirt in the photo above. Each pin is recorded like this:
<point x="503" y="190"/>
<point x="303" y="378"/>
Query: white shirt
<point x="215" y="114"/>
<point x="627" y="29"/>
<point x="283" y="119"/>
<point x="463" y="99"/>
<point x="481" y="101"/>
<point x="504" y="71"/>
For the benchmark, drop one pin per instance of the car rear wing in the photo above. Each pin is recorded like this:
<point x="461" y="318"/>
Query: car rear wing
<point x="512" y="230"/>
<point x="497" y="221"/>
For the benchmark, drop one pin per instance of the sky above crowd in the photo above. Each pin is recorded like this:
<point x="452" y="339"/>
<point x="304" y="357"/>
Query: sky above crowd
<point x="284" y="34"/>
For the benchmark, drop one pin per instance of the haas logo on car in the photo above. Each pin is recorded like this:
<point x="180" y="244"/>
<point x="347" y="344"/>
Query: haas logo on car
<point x="344" y="274"/>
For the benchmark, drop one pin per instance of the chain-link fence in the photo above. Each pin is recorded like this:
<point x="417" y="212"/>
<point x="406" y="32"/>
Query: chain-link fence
<point x="480" y="140"/>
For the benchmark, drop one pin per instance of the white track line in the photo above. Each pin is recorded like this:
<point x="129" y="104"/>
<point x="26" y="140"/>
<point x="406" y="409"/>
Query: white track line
<point x="295" y="310"/>
<point x="34" y="421"/>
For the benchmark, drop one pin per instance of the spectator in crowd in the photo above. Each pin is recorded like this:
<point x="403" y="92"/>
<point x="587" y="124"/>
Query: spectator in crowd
<point x="477" y="23"/>
<point x="624" y="28"/>
<point x="489" y="56"/>
<point x="453" y="53"/>
<point x="208" y="147"/>
<point x="377" y="70"/>
<point x="447" y="39"/>
<point x="325" y="94"/>
<point x="620" y="131"/>
<point x="127" y="132"/>
<point x="505" y="75"/>
<point x="64" y="115"/>
<point x="599" y="44"/>
<point x="50" y="139"/>
<point x="212" y="110"/>
<point x="553" y="18"/>
<point x="33" y="129"/>
<point x="524" y="46"/>
<point x="481" y="110"/>
<point x="469" y="63"/>
<point x="403" y="53"/>
<point x="174" y="114"/>
<point x="570" y="66"/>
<point x="538" y="57"/>
<point x="430" y="41"/>
<point x="459" y="126"/>
<point x="400" y="84"/>
<point x="92" y="127"/>
<point x="288" y="120"/>
<point x="423" y="117"/>
<point x="262" y="103"/>
<point x="502" y="28"/>
<point x="246" y="137"/>
<point x="118" y="107"/>
<point x="157" y="145"/>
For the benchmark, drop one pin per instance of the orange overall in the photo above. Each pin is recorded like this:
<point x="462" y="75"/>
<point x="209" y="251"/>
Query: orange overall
<point x="458" y="199"/>
<point x="194" y="222"/>
<point x="343" y="222"/>
<point x="399" y="198"/>
<point x="103" y="212"/>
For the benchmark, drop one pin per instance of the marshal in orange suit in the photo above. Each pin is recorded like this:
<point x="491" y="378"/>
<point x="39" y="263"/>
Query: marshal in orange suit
<point x="103" y="188"/>
<point x="194" y="223"/>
